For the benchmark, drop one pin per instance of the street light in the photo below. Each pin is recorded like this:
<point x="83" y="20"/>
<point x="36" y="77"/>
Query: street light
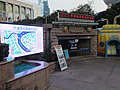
<point x="46" y="17"/>
<point x="103" y="19"/>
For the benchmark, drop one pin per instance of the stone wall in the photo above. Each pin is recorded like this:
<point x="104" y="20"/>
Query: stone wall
<point x="33" y="79"/>
<point x="6" y="73"/>
<point x="75" y="32"/>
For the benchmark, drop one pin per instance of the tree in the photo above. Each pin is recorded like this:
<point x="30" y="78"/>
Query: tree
<point x="116" y="7"/>
<point x="53" y="16"/>
<point x="109" y="14"/>
<point x="30" y="21"/>
<point x="85" y="9"/>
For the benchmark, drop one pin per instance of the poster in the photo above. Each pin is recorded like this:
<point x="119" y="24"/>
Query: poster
<point x="66" y="54"/>
<point x="61" y="57"/>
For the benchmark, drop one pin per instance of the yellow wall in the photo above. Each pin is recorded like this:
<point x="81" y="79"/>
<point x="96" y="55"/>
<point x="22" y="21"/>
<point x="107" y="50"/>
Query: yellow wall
<point x="109" y="32"/>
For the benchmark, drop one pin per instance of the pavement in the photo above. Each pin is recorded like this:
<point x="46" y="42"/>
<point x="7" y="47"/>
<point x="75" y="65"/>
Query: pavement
<point x="92" y="73"/>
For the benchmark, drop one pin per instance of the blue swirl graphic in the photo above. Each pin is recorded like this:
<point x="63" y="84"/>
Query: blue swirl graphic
<point x="20" y="35"/>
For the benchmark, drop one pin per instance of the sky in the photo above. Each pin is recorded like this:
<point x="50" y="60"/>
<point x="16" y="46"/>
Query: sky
<point x="97" y="5"/>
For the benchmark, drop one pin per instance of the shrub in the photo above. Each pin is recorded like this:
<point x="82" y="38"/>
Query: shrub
<point x="4" y="51"/>
<point x="49" y="56"/>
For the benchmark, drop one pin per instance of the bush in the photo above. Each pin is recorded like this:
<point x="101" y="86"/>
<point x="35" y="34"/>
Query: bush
<point x="49" y="56"/>
<point x="4" y="51"/>
<point x="46" y="56"/>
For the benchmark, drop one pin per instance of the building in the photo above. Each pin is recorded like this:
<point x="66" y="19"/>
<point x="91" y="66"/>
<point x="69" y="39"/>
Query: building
<point x="14" y="10"/>
<point x="40" y="3"/>
<point x="44" y="7"/>
<point x="74" y="32"/>
<point x="36" y="9"/>
<point x="109" y="39"/>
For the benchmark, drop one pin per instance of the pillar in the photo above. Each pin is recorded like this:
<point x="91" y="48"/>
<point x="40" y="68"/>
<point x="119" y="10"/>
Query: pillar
<point x="13" y="12"/>
<point x="6" y="11"/>
<point x="20" y="12"/>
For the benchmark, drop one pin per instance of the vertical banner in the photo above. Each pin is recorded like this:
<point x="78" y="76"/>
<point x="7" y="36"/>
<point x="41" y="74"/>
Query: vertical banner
<point x="61" y="58"/>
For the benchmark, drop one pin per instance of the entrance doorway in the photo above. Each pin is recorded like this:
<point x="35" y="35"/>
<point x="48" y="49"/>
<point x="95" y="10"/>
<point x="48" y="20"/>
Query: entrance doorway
<point x="113" y="48"/>
<point x="77" y="46"/>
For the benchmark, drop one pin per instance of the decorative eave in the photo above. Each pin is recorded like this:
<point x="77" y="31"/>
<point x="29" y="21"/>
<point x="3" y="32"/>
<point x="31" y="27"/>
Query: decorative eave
<point x="74" y="23"/>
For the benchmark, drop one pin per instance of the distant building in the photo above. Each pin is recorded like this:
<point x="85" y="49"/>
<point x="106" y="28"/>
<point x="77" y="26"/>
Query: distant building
<point x="44" y="7"/>
<point x="40" y="3"/>
<point x="15" y="10"/>
<point x="36" y="9"/>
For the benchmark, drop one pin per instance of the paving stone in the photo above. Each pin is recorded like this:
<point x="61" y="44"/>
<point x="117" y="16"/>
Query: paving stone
<point x="92" y="74"/>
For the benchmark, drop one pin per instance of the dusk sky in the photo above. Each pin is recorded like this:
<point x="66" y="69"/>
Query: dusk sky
<point x="98" y="5"/>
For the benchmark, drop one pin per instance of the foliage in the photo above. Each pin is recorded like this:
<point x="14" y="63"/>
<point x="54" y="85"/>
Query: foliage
<point x="116" y="7"/>
<point x="31" y="21"/>
<point x="85" y="9"/>
<point x="49" y="56"/>
<point x="4" y="51"/>
<point x="109" y="14"/>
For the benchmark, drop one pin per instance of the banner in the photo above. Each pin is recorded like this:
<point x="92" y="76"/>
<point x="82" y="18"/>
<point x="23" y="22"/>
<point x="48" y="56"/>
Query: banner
<point x="61" y="57"/>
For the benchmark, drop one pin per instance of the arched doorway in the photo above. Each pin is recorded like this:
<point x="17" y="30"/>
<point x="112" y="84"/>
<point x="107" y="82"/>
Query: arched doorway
<point x="113" y="48"/>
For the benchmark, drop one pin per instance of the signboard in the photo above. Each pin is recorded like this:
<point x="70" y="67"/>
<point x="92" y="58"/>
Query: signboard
<point x="75" y="17"/>
<point x="61" y="58"/>
<point x="73" y="44"/>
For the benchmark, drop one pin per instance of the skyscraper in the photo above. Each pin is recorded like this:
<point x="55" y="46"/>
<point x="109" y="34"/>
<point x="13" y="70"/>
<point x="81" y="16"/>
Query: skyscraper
<point x="44" y="7"/>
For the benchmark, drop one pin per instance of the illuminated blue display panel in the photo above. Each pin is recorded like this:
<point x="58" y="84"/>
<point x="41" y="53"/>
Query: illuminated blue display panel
<point x="22" y="40"/>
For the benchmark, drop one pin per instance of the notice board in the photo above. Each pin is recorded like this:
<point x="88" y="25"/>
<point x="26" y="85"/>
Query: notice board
<point x="61" y="57"/>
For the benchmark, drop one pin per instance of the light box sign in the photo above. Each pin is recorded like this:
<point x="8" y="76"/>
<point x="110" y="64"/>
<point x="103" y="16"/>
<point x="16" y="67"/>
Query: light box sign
<point x="22" y="40"/>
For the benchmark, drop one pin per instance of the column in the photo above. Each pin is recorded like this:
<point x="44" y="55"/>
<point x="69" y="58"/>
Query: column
<point x="13" y="12"/>
<point x="6" y="11"/>
<point x="20" y="8"/>
<point x="31" y="14"/>
<point x="25" y="12"/>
